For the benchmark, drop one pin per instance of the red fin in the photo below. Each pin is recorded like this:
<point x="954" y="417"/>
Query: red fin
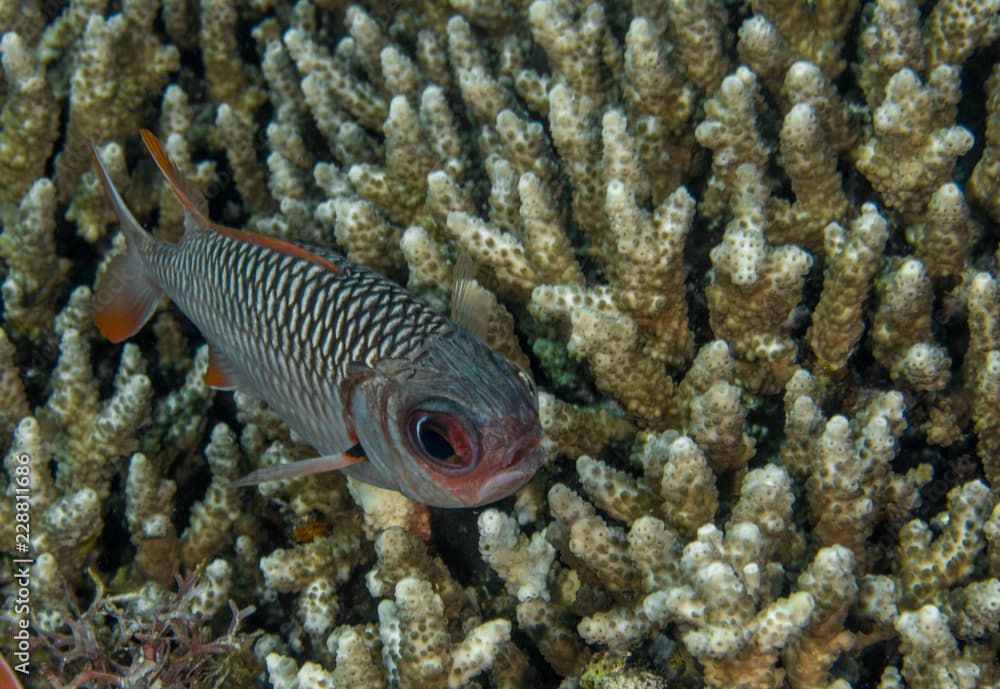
<point x="8" y="680"/>
<point x="304" y="467"/>
<point x="275" y="244"/>
<point x="125" y="298"/>
<point x="220" y="374"/>
<point x="173" y="176"/>
<point x="176" y="181"/>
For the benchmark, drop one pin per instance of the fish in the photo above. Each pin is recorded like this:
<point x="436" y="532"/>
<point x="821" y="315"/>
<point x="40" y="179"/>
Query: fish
<point x="8" y="680"/>
<point x="383" y="387"/>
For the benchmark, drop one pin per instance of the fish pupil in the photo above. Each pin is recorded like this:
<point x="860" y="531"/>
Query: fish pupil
<point x="435" y="443"/>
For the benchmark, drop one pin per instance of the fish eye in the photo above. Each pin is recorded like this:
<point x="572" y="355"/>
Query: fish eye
<point x="440" y="439"/>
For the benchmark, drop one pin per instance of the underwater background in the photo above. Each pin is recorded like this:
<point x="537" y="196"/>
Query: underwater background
<point x="747" y="249"/>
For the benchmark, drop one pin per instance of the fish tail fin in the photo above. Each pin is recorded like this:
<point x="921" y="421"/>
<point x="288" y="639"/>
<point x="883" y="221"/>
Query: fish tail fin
<point x="126" y="295"/>
<point x="190" y="200"/>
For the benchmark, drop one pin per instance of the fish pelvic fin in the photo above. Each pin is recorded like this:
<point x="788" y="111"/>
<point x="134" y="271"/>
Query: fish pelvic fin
<point x="221" y="373"/>
<point x="303" y="467"/>
<point x="126" y="296"/>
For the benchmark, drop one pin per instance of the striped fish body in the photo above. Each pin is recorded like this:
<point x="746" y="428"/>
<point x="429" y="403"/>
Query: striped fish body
<point x="377" y="382"/>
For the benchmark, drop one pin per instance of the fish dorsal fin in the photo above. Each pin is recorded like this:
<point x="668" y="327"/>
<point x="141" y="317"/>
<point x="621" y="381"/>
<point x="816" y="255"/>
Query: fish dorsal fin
<point x="279" y="245"/>
<point x="303" y="467"/>
<point x="178" y="184"/>
<point x="472" y="304"/>
<point x="193" y="213"/>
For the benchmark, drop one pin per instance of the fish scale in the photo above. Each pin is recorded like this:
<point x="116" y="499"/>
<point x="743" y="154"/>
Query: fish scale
<point x="357" y="311"/>
<point x="380" y="384"/>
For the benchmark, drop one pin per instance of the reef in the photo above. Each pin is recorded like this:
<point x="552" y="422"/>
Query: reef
<point x="748" y="251"/>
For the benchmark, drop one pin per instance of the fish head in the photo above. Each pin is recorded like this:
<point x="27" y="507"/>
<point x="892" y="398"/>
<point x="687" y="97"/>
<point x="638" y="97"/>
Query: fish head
<point x="455" y="426"/>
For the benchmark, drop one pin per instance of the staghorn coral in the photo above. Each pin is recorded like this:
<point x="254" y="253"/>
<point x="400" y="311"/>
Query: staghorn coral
<point x="651" y="191"/>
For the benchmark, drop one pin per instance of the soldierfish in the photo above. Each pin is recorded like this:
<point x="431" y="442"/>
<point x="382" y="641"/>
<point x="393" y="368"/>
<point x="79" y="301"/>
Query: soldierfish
<point x="377" y="382"/>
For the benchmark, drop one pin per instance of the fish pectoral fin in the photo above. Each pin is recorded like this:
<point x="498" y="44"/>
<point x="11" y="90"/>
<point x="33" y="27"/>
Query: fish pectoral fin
<point x="303" y="467"/>
<point x="221" y="374"/>
<point x="472" y="305"/>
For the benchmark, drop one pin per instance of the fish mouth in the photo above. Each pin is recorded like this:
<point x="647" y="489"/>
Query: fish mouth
<point x="525" y="462"/>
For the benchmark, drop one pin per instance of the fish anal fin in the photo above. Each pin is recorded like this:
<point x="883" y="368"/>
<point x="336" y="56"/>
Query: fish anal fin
<point x="304" y="467"/>
<point x="221" y="374"/>
<point x="125" y="297"/>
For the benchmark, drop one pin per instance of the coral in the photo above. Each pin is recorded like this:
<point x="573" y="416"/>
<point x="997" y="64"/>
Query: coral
<point x="13" y="401"/>
<point x="29" y="120"/>
<point x="813" y="33"/>
<point x="945" y="237"/>
<point x="830" y="580"/>
<point x="984" y="183"/>
<point x="852" y="259"/>
<point x="901" y="330"/>
<point x="723" y="585"/>
<point x="754" y="287"/>
<point x="811" y="165"/>
<point x="913" y="145"/>
<point x="37" y="271"/>
<point x="730" y="131"/>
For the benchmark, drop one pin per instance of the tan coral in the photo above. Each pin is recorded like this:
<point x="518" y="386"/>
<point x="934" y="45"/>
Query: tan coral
<point x="958" y="27"/>
<point x="646" y="268"/>
<point x="29" y="119"/>
<point x="753" y="289"/>
<point x="811" y="166"/>
<point x="730" y="131"/>
<point x="901" y="331"/>
<point x="212" y="517"/>
<point x="766" y="499"/>
<point x="932" y="562"/>
<point x="662" y="102"/>
<point x="13" y="403"/>
<point x="984" y="182"/>
<point x="573" y="430"/>
<point x="722" y="584"/>
<point x="831" y="582"/>
<point x="36" y="271"/>
<point x="804" y="423"/>
<point x="986" y="416"/>
<point x="120" y="64"/>
<point x="914" y="143"/>
<point x="813" y="31"/>
<point x="931" y="651"/>
<point x="891" y="40"/>
<point x="943" y="239"/>
<point x="851" y="261"/>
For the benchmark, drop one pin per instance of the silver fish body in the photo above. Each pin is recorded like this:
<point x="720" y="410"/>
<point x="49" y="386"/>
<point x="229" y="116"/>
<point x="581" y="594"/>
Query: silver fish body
<point x="346" y="357"/>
